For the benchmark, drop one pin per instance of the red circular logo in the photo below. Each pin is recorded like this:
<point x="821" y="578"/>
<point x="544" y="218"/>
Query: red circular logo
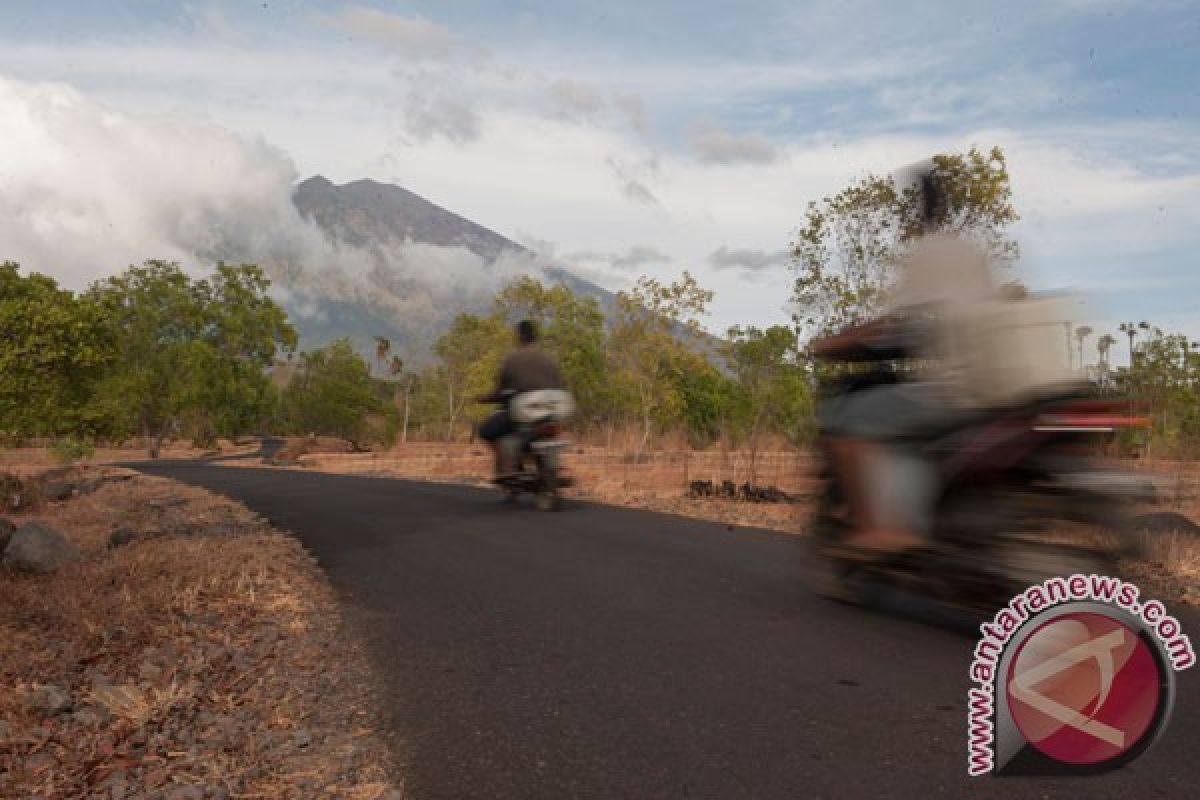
<point x="1084" y="688"/>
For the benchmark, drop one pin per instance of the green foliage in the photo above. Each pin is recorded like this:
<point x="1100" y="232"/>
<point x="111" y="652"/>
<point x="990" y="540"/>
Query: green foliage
<point x="471" y="353"/>
<point x="1165" y="377"/>
<point x="190" y="355"/>
<point x="332" y="394"/>
<point x="844" y="253"/>
<point x="771" y="374"/>
<point x="572" y="332"/>
<point x="655" y="339"/>
<point x="52" y="349"/>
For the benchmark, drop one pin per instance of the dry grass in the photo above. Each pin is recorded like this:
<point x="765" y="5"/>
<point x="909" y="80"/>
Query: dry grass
<point x="211" y="656"/>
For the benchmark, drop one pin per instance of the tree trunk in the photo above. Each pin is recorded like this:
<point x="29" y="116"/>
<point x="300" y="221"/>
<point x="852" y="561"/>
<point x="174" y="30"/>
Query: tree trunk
<point x="404" y="429"/>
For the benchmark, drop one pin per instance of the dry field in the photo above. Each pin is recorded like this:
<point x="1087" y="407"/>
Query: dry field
<point x="203" y="658"/>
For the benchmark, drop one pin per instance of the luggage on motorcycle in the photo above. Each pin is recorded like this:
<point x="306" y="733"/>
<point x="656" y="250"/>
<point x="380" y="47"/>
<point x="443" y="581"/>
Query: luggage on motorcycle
<point x="1016" y="351"/>
<point x="544" y="405"/>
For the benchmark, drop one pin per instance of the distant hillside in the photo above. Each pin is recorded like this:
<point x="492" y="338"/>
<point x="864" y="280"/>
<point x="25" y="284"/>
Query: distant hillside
<point x="410" y="266"/>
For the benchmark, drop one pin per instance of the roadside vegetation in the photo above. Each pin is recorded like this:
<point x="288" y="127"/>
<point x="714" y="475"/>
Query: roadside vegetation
<point x="160" y="641"/>
<point x="154" y="354"/>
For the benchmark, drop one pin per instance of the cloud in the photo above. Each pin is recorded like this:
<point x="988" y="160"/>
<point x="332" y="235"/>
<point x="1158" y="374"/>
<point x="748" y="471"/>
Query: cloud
<point x="573" y="100"/>
<point x="725" y="258"/>
<point x="634" y="108"/>
<point x="435" y="113"/>
<point x="635" y="256"/>
<point x="410" y="38"/>
<point x="712" y="144"/>
<point x="631" y="177"/>
<point x="86" y="190"/>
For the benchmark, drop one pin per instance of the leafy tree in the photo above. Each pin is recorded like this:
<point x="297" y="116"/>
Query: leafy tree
<point x="191" y="354"/>
<point x="572" y="332"/>
<point x="1165" y="376"/>
<point x="332" y="394"/>
<point x="844" y="253"/>
<point x="710" y="403"/>
<point x="769" y="370"/>
<point x="52" y="348"/>
<point x="470" y="353"/>
<point x="655" y="338"/>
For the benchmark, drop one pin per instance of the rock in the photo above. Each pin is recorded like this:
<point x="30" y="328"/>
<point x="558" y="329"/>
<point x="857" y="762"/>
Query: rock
<point x="6" y="532"/>
<point x="122" y="536"/>
<point x="92" y="717"/>
<point x="39" y="549"/>
<point x="58" y="490"/>
<point x="301" y="738"/>
<point x="49" y="700"/>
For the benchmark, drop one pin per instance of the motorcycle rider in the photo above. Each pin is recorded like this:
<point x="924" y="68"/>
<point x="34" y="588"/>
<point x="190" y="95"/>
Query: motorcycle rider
<point x="526" y="369"/>
<point x="890" y="492"/>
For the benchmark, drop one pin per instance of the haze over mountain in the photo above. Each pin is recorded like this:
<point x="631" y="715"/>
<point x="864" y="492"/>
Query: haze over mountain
<point x="403" y="267"/>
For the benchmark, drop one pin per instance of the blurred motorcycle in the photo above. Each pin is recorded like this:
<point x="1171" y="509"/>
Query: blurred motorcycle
<point x="1011" y="496"/>
<point x="536" y="446"/>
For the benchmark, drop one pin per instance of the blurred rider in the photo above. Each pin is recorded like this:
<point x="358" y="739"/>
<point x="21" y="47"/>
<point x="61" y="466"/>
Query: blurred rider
<point x="526" y="369"/>
<point x="889" y="491"/>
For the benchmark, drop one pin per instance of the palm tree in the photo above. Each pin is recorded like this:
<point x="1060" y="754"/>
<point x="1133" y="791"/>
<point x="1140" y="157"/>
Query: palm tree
<point x="395" y="369"/>
<point x="383" y="347"/>
<point x="1067" y="325"/>
<point x="1081" y="333"/>
<point x="1103" y="345"/>
<point x="1130" y="330"/>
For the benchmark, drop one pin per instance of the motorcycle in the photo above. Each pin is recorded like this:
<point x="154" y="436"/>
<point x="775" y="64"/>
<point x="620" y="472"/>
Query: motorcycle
<point x="536" y="446"/>
<point x="1016" y="498"/>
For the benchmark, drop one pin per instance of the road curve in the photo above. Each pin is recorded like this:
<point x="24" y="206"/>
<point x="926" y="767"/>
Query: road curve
<point x="609" y="653"/>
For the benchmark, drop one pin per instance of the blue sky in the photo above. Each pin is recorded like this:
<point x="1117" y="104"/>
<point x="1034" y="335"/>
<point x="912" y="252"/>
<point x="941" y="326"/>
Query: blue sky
<point x="630" y="137"/>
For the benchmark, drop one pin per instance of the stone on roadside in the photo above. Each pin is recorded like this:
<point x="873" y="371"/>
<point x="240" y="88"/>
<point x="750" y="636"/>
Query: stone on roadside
<point x="124" y="535"/>
<point x="58" y="490"/>
<point x="49" y="700"/>
<point x="38" y="548"/>
<point x="6" y="532"/>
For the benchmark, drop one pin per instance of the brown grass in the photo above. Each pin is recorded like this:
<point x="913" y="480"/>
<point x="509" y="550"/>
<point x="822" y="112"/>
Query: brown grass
<point x="212" y="656"/>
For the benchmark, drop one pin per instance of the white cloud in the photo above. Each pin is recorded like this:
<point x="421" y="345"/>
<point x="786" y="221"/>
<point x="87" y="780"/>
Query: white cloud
<point x="573" y="100"/>
<point x="747" y="259"/>
<point x="633" y="258"/>
<point x="410" y="38"/>
<point x="712" y="144"/>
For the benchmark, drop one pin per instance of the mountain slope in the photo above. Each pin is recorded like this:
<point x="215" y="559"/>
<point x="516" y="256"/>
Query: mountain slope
<point x="404" y="267"/>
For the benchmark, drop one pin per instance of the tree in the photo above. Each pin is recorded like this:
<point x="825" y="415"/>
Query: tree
<point x="1131" y="329"/>
<point x="383" y="348"/>
<point x="844" y="253"/>
<point x="52" y="349"/>
<point x="1081" y="333"/>
<point x="190" y="355"/>
<point x="769" y="370"/>
<point x="332" y="394"/>
<point x="470" y="354"/>
<point x="572" y="332"/>
<point x="655" y="338"/>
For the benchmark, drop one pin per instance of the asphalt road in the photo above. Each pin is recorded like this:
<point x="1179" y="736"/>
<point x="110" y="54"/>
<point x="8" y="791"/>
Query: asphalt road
<point x="609" y="653"/>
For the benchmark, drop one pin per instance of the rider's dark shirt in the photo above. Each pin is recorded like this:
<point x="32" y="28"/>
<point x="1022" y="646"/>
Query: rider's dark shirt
<point x="528" y="369"/>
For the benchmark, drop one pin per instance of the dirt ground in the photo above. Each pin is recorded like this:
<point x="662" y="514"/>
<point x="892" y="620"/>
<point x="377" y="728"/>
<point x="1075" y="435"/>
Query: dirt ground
<point x="202" y="658"/>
